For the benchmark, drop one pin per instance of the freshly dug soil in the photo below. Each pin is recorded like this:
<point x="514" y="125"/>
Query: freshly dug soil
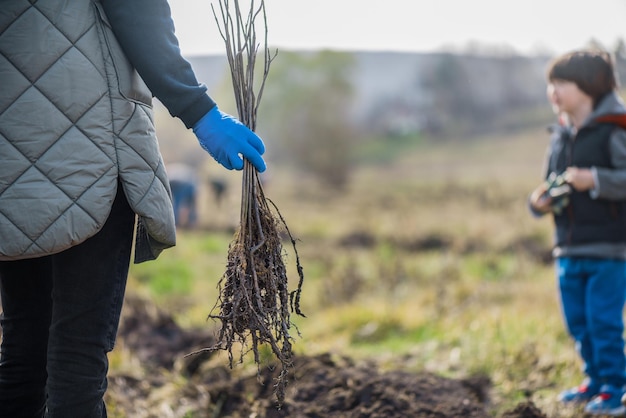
<point x="321" y="386"/>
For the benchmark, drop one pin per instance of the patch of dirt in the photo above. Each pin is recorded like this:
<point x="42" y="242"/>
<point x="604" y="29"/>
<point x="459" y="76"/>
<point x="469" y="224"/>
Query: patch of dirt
<point x="525" y="410"/>
<point x="529" y="245"/>
<point x="328" y="386"/>
<point x="321" y="386"/>
<point x="155" y="339"/>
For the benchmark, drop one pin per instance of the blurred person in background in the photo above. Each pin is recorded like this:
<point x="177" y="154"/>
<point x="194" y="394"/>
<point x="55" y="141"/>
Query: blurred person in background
<point x="585" y="190"/>
<point x="184" y="186"/>
<point x="80" y="173"/>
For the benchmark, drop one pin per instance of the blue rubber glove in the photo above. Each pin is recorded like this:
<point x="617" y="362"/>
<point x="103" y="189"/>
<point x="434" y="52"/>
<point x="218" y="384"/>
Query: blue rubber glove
<point x="227" y="140"/>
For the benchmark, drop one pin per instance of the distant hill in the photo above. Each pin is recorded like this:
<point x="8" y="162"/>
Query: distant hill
<point x="421" y="86"/>
<point x="412" y="80"/>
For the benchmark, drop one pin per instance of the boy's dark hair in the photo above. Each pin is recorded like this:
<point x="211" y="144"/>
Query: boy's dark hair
<point x="593" y="72"/>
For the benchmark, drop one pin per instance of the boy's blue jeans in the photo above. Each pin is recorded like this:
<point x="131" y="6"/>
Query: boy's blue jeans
<point x="593" y="293"/>
<point x="59" y="321"/>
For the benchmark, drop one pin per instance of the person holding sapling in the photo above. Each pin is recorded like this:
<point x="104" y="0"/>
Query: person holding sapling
<point x="79" y="163"/>
<point x="585" y="190"/>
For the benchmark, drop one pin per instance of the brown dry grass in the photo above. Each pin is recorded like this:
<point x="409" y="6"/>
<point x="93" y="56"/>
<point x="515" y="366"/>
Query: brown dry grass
<point x="432" y="263"/>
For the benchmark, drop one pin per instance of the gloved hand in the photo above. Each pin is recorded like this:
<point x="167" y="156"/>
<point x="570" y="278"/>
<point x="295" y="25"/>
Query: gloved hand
<point x="227" y="140"/>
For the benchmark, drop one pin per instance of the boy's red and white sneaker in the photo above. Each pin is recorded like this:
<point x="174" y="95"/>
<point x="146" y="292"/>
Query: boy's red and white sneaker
<point x="582" y="393"/>
<point x="607" y="402"/>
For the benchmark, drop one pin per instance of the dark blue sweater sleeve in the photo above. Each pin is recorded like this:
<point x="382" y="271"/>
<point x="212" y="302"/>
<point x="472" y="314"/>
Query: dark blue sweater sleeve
<point x="145" y="30"/>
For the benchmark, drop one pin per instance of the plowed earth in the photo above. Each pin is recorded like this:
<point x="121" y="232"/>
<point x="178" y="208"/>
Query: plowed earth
<point x="322" y="386"/>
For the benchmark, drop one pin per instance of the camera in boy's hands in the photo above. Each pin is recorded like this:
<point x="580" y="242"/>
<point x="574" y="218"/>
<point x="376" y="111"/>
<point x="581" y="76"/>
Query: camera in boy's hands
<point x="558" y="191"/>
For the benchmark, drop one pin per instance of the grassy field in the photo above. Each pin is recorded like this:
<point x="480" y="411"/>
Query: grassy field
<point x="430" y="263"/>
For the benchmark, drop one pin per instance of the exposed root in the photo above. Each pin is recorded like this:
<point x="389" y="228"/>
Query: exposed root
<point x="255" y="303"/>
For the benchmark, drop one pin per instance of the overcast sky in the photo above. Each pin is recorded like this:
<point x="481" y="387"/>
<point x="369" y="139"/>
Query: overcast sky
<point x="414" y="25"/>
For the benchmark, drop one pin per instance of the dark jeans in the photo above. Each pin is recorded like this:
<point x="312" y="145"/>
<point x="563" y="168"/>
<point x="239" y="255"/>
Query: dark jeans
<point x="59" y="321"/>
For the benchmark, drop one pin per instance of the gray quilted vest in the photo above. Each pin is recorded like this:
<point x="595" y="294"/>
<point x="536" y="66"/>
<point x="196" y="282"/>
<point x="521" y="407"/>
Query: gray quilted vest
<point x="75" y="118"/>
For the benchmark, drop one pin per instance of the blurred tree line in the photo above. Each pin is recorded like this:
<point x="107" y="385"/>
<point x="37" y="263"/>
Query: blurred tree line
<point x="307" y="107"/>
<point x="318" y="107"/>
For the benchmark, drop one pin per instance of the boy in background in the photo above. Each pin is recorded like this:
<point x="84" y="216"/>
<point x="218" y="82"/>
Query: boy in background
<point x="585" y="191"/>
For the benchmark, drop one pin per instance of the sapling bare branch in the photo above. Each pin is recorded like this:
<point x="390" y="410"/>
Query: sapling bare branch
<point x="254" y="303"/>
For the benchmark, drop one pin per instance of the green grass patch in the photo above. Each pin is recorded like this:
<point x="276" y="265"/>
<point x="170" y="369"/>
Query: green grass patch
<point x="382" y="150"/>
